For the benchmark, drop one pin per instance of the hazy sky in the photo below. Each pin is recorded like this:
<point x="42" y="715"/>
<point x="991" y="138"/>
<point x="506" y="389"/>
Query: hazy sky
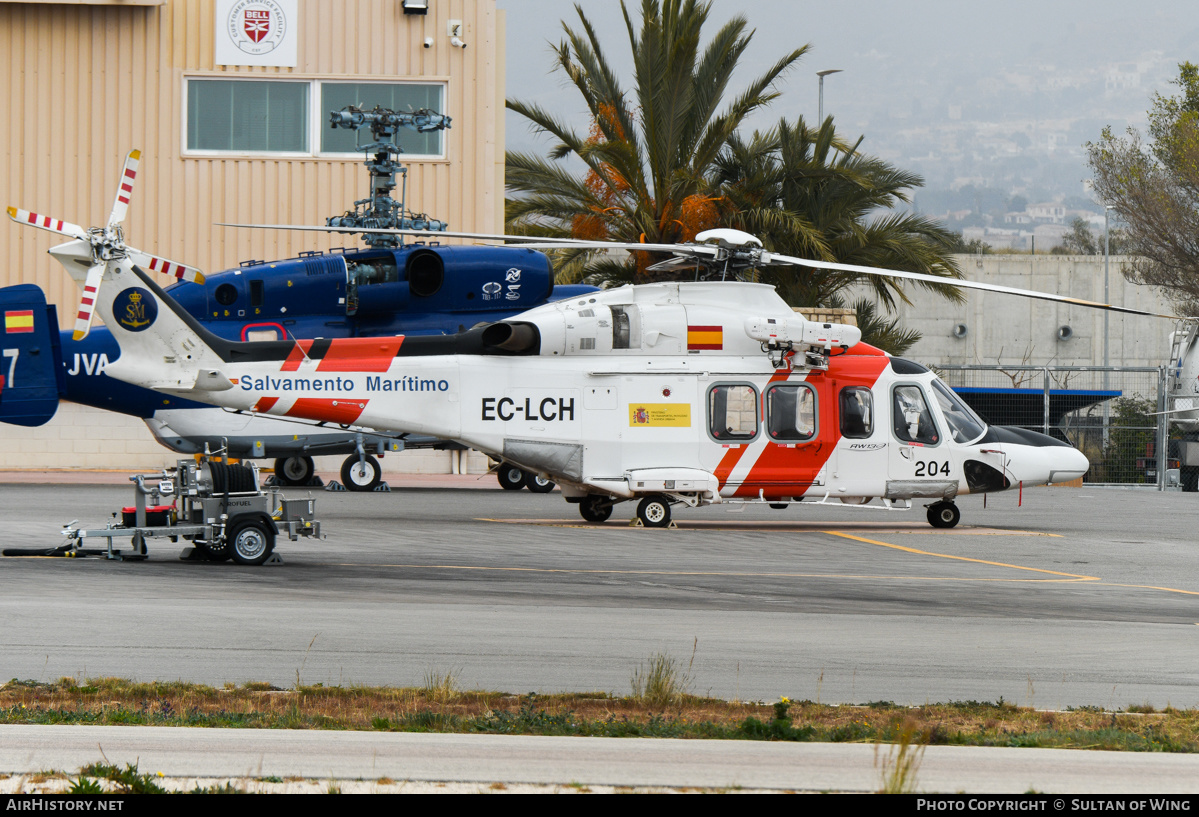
<point x="896" y="56"/>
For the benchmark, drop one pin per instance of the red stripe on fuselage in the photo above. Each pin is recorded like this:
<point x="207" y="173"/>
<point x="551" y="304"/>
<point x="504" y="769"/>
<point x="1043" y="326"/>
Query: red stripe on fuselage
<point x="733" y="456"/>
<point x="298" y="353"/>
<point x="360" y="354"/>
<point x="780" y="471"/>
<point x="265" y="404"/>
<point x="327" y="409"/>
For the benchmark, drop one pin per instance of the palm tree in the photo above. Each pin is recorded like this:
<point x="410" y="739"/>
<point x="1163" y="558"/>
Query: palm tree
<point x="649" y="153"/>
<point x="810" y="194"/>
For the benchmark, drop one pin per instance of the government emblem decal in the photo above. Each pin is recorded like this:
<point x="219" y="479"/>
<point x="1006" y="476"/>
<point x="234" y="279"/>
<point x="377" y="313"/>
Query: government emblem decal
<point x="135" y="309"/>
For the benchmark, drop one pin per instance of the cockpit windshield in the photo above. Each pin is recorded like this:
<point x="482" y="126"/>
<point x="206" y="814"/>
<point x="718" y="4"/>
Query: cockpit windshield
<point x="964" y="425"/>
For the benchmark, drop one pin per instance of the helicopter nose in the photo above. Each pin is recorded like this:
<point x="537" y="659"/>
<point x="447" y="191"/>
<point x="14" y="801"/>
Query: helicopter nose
<point x="1038" y="459"/>
<point x="1067" y="464"/>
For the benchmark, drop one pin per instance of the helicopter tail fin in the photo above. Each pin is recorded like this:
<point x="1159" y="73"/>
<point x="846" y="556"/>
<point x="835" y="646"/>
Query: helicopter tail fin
<point x="31" y="373"/>
<point x="162" y="346"/>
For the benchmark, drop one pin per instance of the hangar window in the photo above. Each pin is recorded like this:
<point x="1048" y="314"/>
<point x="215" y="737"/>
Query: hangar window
<point x="368" y="95"/>
<point x="242" y="116"/>
<point x="291" y="117"/>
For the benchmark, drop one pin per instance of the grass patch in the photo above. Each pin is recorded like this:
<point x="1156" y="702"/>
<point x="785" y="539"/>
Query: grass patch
<point x="442" y="707"/>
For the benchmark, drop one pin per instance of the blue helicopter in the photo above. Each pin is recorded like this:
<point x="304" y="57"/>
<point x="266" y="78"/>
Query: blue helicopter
<point x="389" y="288"/>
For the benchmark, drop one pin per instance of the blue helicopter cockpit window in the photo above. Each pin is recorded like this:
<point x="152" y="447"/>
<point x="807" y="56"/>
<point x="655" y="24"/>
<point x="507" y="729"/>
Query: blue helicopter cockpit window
<point x="964" y="425"/>
<point x="912" y="421"/>
<point x="790" y="413"/>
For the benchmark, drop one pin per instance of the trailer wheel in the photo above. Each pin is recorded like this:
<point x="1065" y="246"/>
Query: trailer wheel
<point x="510" y="477"/>
<point x="654" y="511"/>
<point x="358" y="476"/>
<point x="595" y="508"/>
<point x="538" y="484"/>
<point x="296" y="470"/>
<point x="250" y="542"/>
<point x="215" y="552"/>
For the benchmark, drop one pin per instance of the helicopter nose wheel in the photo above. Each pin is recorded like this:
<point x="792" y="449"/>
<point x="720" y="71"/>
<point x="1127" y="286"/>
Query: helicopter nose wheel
<point x="943" y="514"/>
<point x="654" y="511"/>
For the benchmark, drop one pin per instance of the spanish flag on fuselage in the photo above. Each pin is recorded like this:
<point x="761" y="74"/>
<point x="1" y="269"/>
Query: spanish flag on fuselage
<point x="705" y="337"/>
<point x="18" y="321"/>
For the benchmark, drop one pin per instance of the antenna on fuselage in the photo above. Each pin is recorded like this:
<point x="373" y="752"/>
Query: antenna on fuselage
<point x="380" y="210"/>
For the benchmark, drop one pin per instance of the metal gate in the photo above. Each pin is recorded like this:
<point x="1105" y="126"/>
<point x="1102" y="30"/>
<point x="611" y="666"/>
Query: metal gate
<point x="1107" y="412"/>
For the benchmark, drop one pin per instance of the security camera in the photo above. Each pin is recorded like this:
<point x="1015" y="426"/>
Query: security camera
<point x="457" y="42"/>
<point x="428" y="42"/>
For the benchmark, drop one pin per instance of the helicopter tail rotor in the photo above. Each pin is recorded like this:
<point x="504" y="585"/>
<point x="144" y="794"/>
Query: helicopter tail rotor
<point x="104" y="244"/>
<point x="120" y="205"/>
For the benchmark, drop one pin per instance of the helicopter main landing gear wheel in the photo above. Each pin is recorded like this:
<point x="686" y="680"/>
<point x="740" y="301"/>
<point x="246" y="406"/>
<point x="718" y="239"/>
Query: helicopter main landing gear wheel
<point x="595" y="508"/>
<point x="538" y="484"/>
<point x="361" y="476"/>
<point x="295" y="470"/>
<point x="510" y="477"/>
<point x="943" y="514"/>
<point x="654" y="511"/>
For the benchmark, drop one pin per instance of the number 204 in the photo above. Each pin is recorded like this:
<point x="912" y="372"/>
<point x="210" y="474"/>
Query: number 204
<point x="932" y="468"/>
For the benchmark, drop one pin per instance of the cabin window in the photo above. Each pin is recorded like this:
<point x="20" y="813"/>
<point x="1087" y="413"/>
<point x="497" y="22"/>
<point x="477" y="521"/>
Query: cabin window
<point x="733" y="413"/>
<point x="912" y="420"/>
<point x="857" y="412"/>
<point x="964" y="425"/>
<point x="791" y="412"/>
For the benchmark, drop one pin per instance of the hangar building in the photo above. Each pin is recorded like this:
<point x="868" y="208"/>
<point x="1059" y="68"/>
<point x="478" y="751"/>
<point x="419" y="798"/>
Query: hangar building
<point x="233" y="133"/>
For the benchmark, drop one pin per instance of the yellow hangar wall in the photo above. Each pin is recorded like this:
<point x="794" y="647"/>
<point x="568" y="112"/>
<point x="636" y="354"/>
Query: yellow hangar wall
<point x="84" y="82"/>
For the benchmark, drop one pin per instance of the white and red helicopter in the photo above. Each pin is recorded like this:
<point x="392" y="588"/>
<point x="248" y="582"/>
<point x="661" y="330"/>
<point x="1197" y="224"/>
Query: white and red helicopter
<point x="665" y="394"/>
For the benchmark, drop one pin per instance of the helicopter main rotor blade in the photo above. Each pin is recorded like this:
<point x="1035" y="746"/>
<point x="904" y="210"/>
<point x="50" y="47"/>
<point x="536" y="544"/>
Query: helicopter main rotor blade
<point x="769" y="258"/>
<point x="120" y="205"/>
<point x="398" y="231"/>
<point x="52" y="225"/>
<point x="531" y="242"/>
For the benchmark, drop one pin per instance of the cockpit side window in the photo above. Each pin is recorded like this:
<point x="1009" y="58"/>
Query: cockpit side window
<point x="857" y="412"/>
<point x="911" y="419"/>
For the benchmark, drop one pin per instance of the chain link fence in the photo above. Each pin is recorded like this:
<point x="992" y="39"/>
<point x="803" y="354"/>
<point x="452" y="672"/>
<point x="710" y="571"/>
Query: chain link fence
<point x="1108" y="413"/>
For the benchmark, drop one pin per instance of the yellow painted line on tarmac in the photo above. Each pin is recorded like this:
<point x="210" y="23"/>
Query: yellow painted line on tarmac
<point x="1153" y="587"/>
<point x="1071" y="576"/>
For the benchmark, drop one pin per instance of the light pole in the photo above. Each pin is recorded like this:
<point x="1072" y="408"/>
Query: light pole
<point x="1107" y="246"/>
<point x="1107" y="209"/>
<point x="822" y="75"/>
